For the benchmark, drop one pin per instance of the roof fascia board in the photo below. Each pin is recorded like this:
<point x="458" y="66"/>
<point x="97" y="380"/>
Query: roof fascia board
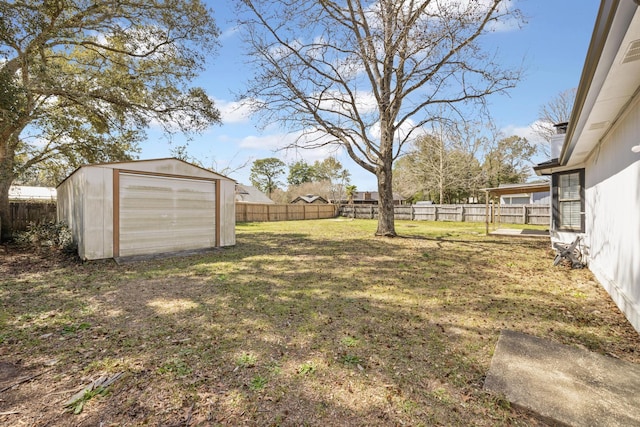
<point x="596" y="67"/>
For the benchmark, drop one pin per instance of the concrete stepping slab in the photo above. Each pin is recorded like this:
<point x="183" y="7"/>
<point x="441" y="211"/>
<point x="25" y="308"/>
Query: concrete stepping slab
<point x="564" y="384"/>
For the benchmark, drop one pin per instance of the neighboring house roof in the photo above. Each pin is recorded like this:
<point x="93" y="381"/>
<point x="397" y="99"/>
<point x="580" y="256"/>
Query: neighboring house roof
<point x="310" y="198"/>
<point x="26" y="192"/>
<point x="371" y="196"/>
<point x="609" y="80"/>
<point x="248" y="194"/>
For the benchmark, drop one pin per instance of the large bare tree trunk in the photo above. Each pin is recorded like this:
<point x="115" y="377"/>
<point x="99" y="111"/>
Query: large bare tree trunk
<point x="6" y="179"/>
<point x="386" y="218"/>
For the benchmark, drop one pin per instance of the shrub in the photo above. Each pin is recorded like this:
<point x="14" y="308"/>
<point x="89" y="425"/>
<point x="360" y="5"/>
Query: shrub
<point x="56" y="235"/>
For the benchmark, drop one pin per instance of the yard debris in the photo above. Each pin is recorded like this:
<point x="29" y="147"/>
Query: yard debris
<point x="99" y="386"/>
<point x="570" y="252"/>
<point x="24" y="380"/>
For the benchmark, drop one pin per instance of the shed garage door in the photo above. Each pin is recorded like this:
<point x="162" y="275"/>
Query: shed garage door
<point x="164" y="214"/>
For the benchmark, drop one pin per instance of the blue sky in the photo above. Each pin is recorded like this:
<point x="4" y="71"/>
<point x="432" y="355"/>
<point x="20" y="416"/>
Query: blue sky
<point x="552" y="46"/>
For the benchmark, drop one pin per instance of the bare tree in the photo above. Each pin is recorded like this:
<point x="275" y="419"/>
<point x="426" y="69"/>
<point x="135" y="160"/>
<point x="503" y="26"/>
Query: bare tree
<point x="557" y="110"/>
<point x="442" y="164"/>
<point x="365" y="75"/>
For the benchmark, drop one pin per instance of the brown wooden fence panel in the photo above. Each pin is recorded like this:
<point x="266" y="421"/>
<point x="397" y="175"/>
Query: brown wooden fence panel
<point x="23" y="213"/>
<point x="425" y="212"/>
<point x="512" y="214"/>
<point x="249" y="212"/>
<point x="509" y="214"/>
<point x="538" y="215"/>
<point x="403" y="212"/>
<point x="474" y="213"/>
<point x="450" y="213"/>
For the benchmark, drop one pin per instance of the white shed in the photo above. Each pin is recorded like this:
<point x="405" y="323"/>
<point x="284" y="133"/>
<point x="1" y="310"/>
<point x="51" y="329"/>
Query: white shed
<point x="146" y="207"/>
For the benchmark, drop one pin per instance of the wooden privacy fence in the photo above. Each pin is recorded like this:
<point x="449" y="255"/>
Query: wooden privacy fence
<point x="22" y="213"/>
<point x="507" y="214"/>
<point x="249" y="212"/>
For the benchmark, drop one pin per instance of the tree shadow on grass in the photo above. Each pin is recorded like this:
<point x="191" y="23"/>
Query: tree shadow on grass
<point x="291" y="328"/>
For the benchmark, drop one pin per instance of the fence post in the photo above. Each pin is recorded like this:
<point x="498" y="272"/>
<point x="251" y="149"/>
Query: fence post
<point x="524" y="214"/>
<point x="435" y="213"/>
<point x="371" y="207"/>
<point x="461" y="213"/>
<point x="413" y="213"/>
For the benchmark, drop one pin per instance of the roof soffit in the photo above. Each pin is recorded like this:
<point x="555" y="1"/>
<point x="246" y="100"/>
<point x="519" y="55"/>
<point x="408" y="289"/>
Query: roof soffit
<point x="613" y="86"/>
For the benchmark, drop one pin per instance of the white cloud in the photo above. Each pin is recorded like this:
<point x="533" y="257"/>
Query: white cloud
<point x="407" y="127"/>
<point x="264" y="142"/>
<point x="285" y="141"/>
<point x="524" y="132"/>
<point x="339" y="102"/>
<point x="234" y="111"/>
<point x="229" y="32"/>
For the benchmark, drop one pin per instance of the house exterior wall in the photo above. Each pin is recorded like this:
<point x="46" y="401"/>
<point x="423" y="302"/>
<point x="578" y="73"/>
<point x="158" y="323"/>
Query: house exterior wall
<point x="516" y="199"/>
<point x="612" y="203"/>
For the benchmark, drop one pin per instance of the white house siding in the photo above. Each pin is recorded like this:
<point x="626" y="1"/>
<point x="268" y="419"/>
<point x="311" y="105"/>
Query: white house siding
<point x="612" y="226"/>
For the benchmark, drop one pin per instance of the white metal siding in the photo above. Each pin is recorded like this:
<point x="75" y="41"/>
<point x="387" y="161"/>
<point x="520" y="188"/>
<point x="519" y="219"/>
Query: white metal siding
<point x="228" y="213"/>
<point x="164" y="214"/>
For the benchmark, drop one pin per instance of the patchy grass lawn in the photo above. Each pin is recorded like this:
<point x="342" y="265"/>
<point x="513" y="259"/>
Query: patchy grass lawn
<point x="301" y="323"/>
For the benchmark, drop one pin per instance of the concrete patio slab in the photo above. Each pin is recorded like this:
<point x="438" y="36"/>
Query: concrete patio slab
<point x="519" y="232"/>
<point x="564" y="384"/>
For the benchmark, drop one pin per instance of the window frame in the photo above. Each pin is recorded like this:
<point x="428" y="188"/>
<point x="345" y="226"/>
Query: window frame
<point x="556" y="202"/>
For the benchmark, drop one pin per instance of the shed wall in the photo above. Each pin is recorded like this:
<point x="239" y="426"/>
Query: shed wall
<point x="70" y="207"/>
<point x="227" y="213"/>
<point x="612" y="181"/>
<point x="97" y="197"/>
<point x="86" y="203"/>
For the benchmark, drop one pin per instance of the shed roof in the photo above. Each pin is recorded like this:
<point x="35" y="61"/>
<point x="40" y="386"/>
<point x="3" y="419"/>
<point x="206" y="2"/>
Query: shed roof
<point x="163" y="165"/>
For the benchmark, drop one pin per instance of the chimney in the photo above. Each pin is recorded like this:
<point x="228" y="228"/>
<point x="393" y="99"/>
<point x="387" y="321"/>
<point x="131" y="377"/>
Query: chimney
<point x="561" y="128"/>
<point x="367" y="195"/>
<point x="557" y="140"/>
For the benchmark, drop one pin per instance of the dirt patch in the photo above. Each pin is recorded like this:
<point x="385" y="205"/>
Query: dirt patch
<point x="8" y="374"/>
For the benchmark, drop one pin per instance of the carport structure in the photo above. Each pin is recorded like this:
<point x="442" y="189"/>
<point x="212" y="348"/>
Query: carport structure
<point x="495" y="193"/>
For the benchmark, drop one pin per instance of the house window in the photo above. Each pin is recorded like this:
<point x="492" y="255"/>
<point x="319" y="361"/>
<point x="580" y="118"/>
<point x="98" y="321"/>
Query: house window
<point x="568" y="200"/>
